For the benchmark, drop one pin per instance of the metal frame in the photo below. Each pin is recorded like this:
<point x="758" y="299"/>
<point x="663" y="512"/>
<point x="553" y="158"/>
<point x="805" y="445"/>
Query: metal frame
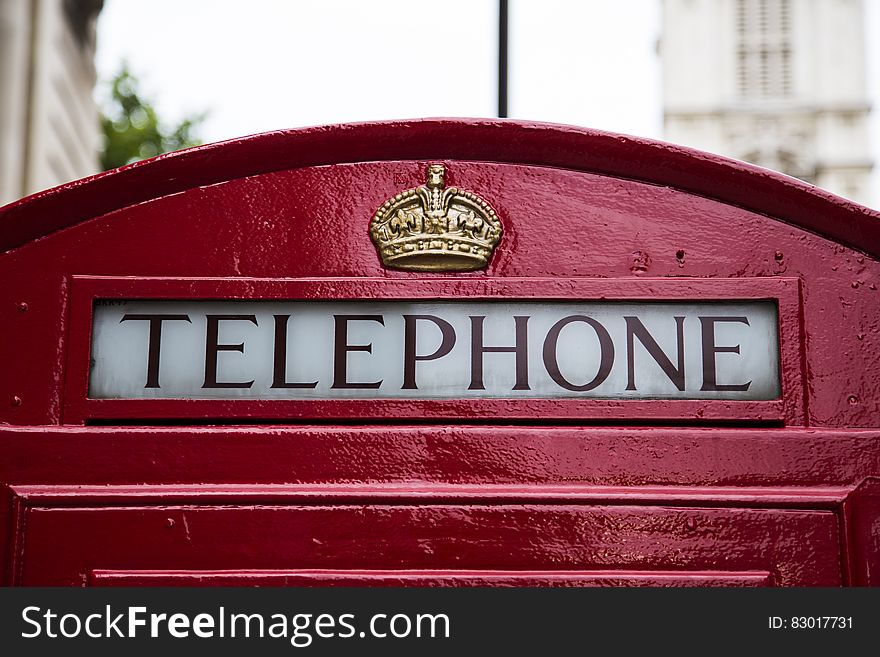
<point x="789" y="409"/>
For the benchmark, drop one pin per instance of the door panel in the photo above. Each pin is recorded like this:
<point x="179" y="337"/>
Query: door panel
<point x="63" y="545"/>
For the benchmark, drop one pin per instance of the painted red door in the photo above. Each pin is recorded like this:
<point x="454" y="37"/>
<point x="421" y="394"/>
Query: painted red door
<point x="571" y="489"/>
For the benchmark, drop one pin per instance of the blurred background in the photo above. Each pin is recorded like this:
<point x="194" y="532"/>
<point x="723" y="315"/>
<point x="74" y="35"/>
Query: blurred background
<point x="792" y="85"/>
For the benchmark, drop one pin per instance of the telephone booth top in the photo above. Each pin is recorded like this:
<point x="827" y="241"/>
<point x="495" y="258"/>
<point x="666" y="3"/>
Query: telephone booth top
<point x="440" y="352"/>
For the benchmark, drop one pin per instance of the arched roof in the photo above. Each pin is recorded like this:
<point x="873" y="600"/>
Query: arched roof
<point x="490" y="140"/>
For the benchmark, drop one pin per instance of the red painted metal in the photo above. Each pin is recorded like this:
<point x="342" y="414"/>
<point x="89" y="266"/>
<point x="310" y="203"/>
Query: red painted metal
<point x="99" y="469"/>
<point x="861" y="521"/>
<point x="428" y="492"/>
<point x="800" y="547"/>
<point x="480" y="140"/>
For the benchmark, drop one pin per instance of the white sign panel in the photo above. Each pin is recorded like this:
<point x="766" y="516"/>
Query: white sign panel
<point x="434" y="350"/>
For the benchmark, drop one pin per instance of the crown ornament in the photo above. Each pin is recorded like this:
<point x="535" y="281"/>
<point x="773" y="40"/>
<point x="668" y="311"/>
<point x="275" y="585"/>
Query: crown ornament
<point x="435" y="228"/>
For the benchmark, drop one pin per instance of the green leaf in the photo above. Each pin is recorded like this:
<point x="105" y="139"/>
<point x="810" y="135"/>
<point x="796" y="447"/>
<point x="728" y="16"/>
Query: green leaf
<point x="132" y="128"/>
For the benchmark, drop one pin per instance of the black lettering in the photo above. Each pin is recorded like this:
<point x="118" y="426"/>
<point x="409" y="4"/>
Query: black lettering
<point x="212" y="348"/>
<point x="410" y="357"/>
<point x="635" y="329"/>
<point x="710" y="349"/>
<point x="279" y="369"/>
<point x="153" y="349"/>
<point x="521" y="349"/>
<point x="341" y="349"/>
<point x="606" y="353"/>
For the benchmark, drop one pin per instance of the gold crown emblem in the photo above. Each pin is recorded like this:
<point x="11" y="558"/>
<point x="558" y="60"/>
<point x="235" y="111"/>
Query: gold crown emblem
<point x="435" y="228"/>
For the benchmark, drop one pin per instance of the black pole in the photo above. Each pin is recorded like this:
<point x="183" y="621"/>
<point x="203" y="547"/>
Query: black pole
<point x="502" y="59"/>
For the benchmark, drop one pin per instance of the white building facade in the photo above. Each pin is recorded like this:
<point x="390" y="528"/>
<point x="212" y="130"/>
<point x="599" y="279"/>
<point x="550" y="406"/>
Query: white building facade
<point x="779" y="83"/>
<point x="49" y="124"/>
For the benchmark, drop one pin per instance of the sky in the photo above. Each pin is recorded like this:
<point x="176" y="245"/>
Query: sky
<point x="266" y="64"/>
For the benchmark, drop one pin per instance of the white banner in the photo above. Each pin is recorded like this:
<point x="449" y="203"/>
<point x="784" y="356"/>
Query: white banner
<point x="434" y="349"/>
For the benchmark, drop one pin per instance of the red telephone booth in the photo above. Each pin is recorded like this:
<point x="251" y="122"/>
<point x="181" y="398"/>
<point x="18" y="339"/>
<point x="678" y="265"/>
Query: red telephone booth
<point x="440" y="352"/>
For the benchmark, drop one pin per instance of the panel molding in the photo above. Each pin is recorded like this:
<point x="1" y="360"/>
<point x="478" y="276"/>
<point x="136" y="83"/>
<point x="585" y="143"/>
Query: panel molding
<point x="327" y="577"/>
<point x="179" y="499"/>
